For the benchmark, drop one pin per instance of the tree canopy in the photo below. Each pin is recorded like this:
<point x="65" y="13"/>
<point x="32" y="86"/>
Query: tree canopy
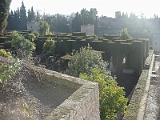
<point x="44" y="28"/>
<point x="4" y="9"/>
<point x="85" y="17"/>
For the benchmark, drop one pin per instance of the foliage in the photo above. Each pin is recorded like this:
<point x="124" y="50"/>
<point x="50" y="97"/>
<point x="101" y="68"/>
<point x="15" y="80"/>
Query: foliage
<point x="85" y="60"/>
<point x="44" y="28"/>
<point x="20" y="19"/>
<point x="50" y="33"/>
<point x="49" y="47"/>
<point x="124" y="34"/>
<point x="3" y="53"/>
<point x="23" y="46"/>
<point x="31" y="37"/>
<point x="31" y="14"/>
<point x="58" y="22"/>
<point x="111" y="96"/>
<point x="4" y="8"/>
<point x="84" y="18"/>
<point x="8" y="71"/>
<point x="36" y="34"/>
<point x="23" y="17"/>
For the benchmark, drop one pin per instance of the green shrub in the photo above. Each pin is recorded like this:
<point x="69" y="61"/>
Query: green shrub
<point x="8" y="71"/>
<point x="49" y="47"/>
<point x="24" y="47"/>
<point x="44" y="28"/>
<point x="85" y="60"/>
<point x="31" y="37"/>
<point x="36" y="34"/>
<point x="124" y="34"/>
<point x="111" y="96"/>
<point x="3" y="53"/>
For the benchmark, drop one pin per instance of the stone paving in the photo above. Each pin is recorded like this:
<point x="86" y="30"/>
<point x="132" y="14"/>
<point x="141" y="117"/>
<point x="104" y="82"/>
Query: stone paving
<point x="153" y="100"/>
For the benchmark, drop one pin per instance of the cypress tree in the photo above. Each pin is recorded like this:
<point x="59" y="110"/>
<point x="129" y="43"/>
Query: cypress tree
<point x="4" y="9"/>
<point x="23" y="17"/>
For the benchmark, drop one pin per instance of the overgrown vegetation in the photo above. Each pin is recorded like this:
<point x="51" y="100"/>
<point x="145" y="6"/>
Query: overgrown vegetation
<point x="111" y="96"/>
<point x="31" y="37"/>
<point x="4" y="53"/>
<point x="49" y="48"/>
<point x="23" y="47"/>
<point x="85" y="60"/>
<point x="4" y="10"/>
<point x="89" y="65"/>
<point x="8" y="71"/>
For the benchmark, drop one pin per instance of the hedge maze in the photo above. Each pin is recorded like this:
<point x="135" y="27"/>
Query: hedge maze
<point x="134" y="51"/>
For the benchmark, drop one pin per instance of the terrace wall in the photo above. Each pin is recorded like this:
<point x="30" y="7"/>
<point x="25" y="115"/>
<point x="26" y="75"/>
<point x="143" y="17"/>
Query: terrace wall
<point x="83" y="104"/>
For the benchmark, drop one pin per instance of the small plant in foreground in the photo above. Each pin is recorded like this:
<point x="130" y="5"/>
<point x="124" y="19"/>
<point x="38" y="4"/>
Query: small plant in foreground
<point x="8" y="71"/>
<point x="111" y="96"/>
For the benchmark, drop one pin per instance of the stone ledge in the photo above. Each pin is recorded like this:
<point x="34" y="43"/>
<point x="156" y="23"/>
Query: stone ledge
<point x="148" y="59"/>
<point x="82" y="104"/>
<point x="136" y="107"/>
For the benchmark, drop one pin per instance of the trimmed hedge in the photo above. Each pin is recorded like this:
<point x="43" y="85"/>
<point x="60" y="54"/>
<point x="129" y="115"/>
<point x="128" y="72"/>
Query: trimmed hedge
<point x="3" y="39"/>
<point x="78" y="34"/>
<point x="7" y="45"/>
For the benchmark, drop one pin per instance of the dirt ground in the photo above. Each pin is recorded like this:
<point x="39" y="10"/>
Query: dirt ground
<point x="26" y="98"/>
<point x="153" y="101"/>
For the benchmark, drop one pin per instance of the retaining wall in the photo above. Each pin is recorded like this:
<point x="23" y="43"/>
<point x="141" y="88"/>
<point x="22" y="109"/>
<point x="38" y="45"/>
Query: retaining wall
<point x="83" y="104"/>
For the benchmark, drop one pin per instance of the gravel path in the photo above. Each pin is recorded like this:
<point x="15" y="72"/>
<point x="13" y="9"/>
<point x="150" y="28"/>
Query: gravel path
<point x="153" y="101"/>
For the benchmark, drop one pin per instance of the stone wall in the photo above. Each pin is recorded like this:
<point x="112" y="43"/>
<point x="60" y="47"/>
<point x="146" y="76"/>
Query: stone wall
<point x="83" y="104"/>
<point x="33" y="26"/>
<point x="137" y="104"/>
<point x="88" y="29"/>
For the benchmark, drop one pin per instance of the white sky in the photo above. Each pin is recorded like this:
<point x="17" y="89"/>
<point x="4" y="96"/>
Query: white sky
<point x="104" y="7"/>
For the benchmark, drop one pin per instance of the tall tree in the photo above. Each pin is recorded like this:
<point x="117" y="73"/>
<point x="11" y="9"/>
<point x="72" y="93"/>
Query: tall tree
<point x="31" y="14"/>
<point x="4" y="10"/>
<point x="84" y="18"/>
<point x="37" y="17"/>
<point x="59" y="22"/>
<point x="23" y="17"/>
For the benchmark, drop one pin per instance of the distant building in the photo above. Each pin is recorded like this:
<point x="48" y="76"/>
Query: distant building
<point x="33" y="26"/>
<point x="156" y="43"/>
<point x="117" y="14"/>
<point x="88" y="29"/>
